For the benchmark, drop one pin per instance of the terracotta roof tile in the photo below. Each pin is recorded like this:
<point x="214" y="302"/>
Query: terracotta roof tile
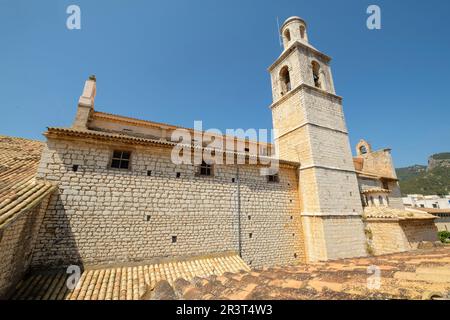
<point x="375" y="190"/>
<point x="125" y="282"/>
<point x="19" y="159"/>
<point x="392" y="213"/>
<point x="94" y="134"/>
<point x="433" y="210"/>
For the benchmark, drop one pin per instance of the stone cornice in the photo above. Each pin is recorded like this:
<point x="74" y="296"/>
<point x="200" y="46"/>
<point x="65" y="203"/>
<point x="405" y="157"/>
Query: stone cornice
<point x="311" y="124"/>
<point x="294" y="46"/>
<point x="331" y="215"/>
<point x="374" y="176"/>
<point x="316" y="166"/>
<point x="304" y="86"/>
<point x="96" y="136"/>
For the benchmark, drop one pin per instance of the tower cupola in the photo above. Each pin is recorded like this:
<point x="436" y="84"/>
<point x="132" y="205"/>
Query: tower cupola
<point x="293" y="29"/>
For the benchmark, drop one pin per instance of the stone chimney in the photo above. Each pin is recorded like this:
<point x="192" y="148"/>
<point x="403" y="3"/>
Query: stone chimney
<point x="85" y="104"/>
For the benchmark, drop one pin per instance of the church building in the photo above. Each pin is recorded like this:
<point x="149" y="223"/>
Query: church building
<point x="106" y="190"/>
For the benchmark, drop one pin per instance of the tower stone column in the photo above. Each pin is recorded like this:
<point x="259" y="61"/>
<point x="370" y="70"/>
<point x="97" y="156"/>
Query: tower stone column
<point x="310" y="127"/>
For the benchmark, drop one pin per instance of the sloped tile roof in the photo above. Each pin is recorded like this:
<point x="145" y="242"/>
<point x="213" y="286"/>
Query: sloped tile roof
<point x="397" y="214"/>
<point x="126" y="138"/>
<point x="375" y="190"/>
<point x="19" y="159"/>
<point x="125" y="282"/>
<point x="433" y="210"/>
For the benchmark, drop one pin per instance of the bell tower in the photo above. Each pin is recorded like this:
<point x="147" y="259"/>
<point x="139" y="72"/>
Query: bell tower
<point x="310" y="129"/>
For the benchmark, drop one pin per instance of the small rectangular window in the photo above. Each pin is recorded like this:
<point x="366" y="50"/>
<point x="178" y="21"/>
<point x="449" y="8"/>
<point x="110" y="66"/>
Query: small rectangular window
<point x="75" y="168"/>
<point x="273" y="178"/>
<point x="120" y="159"/>
<point x="149" y="173"/>
<point x="174" y="239"/>
<point x="205" y="169"/>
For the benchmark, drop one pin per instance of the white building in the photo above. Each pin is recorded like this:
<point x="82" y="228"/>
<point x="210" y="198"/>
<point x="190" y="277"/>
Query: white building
<point x="421" y="201"/>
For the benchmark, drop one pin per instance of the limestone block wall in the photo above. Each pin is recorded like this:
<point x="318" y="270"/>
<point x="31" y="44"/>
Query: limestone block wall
<point x="16" y="245"/>
<point x="395" y="196"/>
<point x="417" y="231"/>
<point x="334" y="237"/>
<point x="443" y="222"/>
<point x="379" y="163"/>
<point x="338" y="192"/>
<point x="312" y="131"/>
<point x="325" y="110"/>
<point x="365" y="183"/>
<point x="389" y="236"/>
<point x="103" y="215"/>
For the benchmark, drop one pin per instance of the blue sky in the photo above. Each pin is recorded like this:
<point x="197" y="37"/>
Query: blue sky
<point x="180" y="61"/>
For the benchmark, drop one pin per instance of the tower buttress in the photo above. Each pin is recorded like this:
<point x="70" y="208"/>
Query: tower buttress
<point x="310" y="129"/>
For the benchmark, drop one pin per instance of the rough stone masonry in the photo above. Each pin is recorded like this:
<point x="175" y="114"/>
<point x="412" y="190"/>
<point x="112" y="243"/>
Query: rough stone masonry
<point x="112" y="193"/>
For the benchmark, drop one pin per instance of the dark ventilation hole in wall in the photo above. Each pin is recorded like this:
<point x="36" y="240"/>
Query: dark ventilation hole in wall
<point x="174" y="239"/>
<point x="247" y="149"/>
<point x="178" y="174"/>
<point x="147" y="217"/>
<point x="233" y="180"/>
<point x="290" y="200"/>
<point x="292" y="217"/>
<point x="249" y="217"/>
<point x="295" y="255"/>
<point x="149" y="173"/>
<point x="250" y="235"/>
<point x="75" y="168"/>
<point x="293" y="234"/>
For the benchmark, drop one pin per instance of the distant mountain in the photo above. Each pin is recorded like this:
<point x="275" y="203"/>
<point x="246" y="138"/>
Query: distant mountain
<point x="439" y="160"/>
<point x="410" y="172"/>
<point x="434" y="179"/>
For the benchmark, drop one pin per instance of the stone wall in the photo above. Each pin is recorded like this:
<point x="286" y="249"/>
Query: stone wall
<point x="386" y="236"/>
<point x="390" y="235"/>
<point x="395" y="196"/>
<point x="312" y="131"/>
<point x="103" y="215"/>
<point x="379" y="163"/>
<point x="334" y="237"/>
<point x="443" y="222"/>
<point x="16" y="246"/>
<point x="417" y="231"/>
